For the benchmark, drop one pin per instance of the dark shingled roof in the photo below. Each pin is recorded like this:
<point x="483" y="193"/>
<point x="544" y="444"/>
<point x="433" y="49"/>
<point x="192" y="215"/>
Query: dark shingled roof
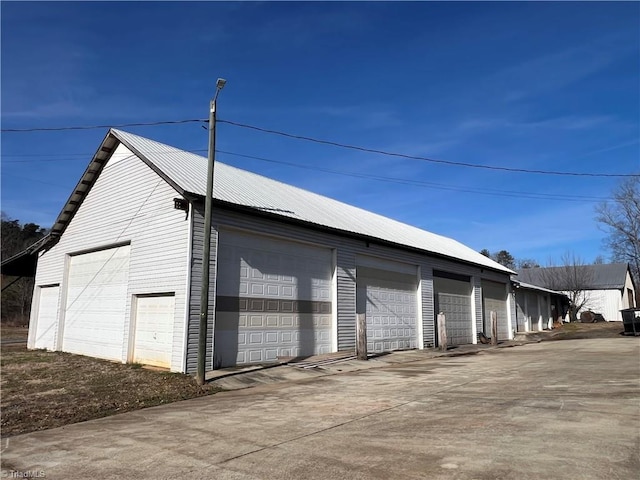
<point x="601" y="277"/>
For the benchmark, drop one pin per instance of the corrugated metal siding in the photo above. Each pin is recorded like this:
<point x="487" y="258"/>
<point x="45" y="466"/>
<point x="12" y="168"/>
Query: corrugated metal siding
<point x="512" y="309"/>
<point x="428" y="307"/>
<point x="347" y="249"/>
<point x="346" y="298"/>
<point x="241" y="187"/>
<point x="477" y="303"/>
<point x="129" y="202"/>
<point x="628" y="285"/>
<point x="193" y="334"/>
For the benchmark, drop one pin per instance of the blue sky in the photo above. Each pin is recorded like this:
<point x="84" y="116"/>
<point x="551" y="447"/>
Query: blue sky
<point x="545" y="86"/>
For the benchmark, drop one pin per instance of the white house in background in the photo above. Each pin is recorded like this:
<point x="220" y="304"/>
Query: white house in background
<point x="119" y="277"/>
<point x="607" y="288"/>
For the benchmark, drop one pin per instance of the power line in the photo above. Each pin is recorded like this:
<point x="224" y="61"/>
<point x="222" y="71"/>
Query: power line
<point x="82" y="156"/>
<point x="426" y="159"/>
<point x="396" y="180"/>
<point x="332" y="143"/>
<point x="440" y="186"/>
<point x="91" y="127"/>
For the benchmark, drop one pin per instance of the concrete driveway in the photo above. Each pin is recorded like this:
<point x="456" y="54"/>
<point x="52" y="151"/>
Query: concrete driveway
<point x="552" y="410"/>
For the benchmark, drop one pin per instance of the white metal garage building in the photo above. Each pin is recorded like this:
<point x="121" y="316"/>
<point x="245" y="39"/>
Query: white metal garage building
<point x="119" y="276"/>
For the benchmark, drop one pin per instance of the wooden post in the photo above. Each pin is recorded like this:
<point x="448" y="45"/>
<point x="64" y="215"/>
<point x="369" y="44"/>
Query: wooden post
<point x="442" y="332"/>
<point x="494" y="328"/>
<point x="361" y="333"/>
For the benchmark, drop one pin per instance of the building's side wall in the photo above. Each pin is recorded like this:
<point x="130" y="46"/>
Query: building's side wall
<point x="628" y="285"/>
<point x="346" y="251"/>
<point x="128" y="203"/>
<point x="607" y="302"/>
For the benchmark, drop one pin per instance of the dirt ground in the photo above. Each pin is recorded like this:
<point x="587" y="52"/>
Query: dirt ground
<point x="42" y="390"/>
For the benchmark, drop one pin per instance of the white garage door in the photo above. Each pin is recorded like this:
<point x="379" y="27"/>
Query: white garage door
<point x="154" y="330"/>
<point x="494" y="298"/>
<point x="96" y="303"/>
<point x="452" y="297"/>
<point x="273" y="299"/>
<point x="390" y="303"/>
<point x="47" y="317"/>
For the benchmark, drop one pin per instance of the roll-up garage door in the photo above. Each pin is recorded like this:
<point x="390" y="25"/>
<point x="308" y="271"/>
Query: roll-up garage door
<point x="46" y="320"/>
<point x="494" y="298"/>
<point x="273" y="299"/>
<point x="390" y="303"/>
<point x="96" y="303"/>
<point x="452" y="296"/>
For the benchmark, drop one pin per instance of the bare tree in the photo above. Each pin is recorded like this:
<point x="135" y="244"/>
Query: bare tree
<point x="620" y="218"/>
<point x="573" y="277"/>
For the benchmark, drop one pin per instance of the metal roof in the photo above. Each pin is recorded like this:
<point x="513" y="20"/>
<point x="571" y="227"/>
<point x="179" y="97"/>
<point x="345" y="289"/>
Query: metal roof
<point x="597" y="277"/>
<point x="529" y="286"/>
<point x="186" y="172"/>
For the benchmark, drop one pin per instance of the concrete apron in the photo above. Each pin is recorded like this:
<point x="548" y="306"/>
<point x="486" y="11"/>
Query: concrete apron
<point x="333" y="364"/>
<point x="548" y="410"/>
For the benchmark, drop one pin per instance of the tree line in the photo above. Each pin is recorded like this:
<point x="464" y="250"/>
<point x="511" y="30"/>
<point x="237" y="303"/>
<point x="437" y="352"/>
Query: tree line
<point x="17" y="292"/>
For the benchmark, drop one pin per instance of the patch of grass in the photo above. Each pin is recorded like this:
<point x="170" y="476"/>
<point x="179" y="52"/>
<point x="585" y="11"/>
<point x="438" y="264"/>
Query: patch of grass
<point x="570" y="327"/>
<point x="11" y="332"/>
<point x="42" y="390"/>
<point x="576" y="330"/>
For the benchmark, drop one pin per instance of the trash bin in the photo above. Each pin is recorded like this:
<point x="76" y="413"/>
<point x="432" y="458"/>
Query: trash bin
<point x="631" y="321"/>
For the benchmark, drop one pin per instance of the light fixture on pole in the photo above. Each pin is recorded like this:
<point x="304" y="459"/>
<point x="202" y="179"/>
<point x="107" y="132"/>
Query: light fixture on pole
<point x="206" y="253"/>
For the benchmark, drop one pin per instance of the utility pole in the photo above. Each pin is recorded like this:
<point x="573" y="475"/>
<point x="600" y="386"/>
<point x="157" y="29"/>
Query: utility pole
<point x="206" y="253"/>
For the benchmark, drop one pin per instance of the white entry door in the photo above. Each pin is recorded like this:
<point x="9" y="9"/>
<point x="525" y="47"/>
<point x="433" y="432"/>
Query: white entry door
<point x="47" y="318"/>
<point x="154" y="330"/>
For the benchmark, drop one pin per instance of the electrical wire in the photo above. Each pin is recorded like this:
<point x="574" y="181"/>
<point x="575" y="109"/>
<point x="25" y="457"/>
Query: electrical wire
<point x="91" y="127"/>
<point x="396" y="180"/>
<point x="439" y="186"/>
<point x="426" y="159"/>
<point x="334" y="144"/>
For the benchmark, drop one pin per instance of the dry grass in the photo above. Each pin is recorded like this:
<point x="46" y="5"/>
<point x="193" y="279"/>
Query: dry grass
<point x="42" y="390"/>
<point x="11" y="332"/>
<point x="576" y="330"/>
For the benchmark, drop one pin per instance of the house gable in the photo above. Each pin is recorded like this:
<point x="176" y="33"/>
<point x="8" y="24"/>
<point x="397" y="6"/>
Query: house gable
<point x="125" y="202"/>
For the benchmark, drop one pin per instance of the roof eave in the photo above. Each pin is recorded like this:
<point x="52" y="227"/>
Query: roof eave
<point x="88" y="179"/>
<point x="354" y="235"/>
